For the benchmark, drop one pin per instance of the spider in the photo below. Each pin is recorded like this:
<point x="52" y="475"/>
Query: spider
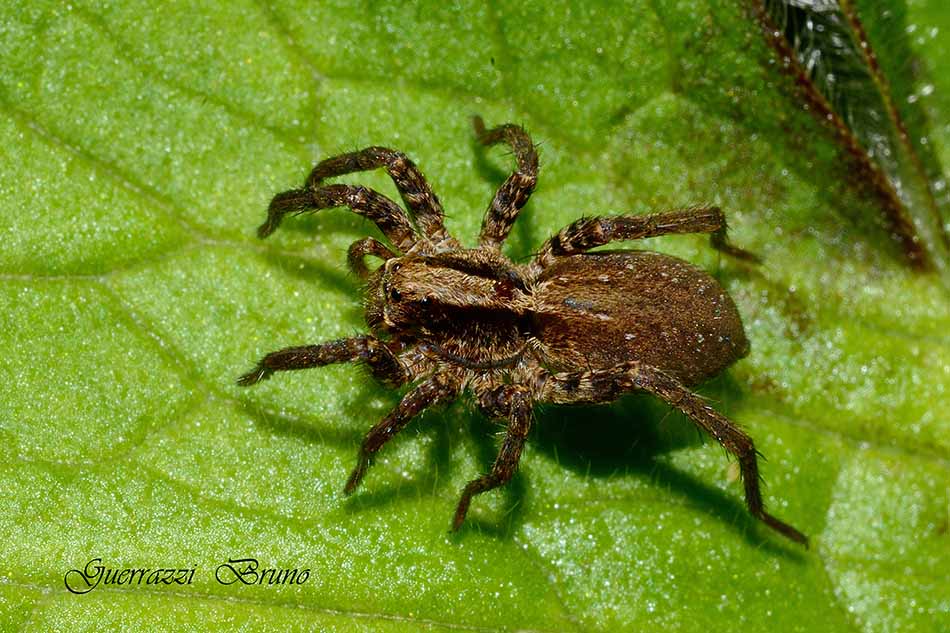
<point x="570" y="326"/>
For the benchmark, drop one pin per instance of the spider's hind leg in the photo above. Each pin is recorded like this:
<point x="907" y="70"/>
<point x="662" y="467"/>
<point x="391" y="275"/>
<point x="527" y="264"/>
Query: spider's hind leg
<point x="587" y="233"/>
<point x="730" y="436"/>
<point x="515" y="191"/>
<point x="605" y="385"/>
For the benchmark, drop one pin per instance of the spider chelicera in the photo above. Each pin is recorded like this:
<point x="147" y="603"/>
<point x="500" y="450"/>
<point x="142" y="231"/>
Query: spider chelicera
<point x="570" y="326"/>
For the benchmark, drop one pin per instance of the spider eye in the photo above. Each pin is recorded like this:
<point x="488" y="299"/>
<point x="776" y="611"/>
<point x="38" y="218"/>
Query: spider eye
<point x="426" y="301"/>
<point x="394" y="294"/>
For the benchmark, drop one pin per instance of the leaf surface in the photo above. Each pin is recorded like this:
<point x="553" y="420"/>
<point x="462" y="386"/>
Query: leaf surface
<point x="141" y="147"/>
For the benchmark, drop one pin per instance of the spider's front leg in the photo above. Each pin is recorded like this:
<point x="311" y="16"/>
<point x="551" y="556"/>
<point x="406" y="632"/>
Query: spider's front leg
<point x="356" y="255"/>
<point x="605" y="385"/>
<point x="515" y="403"/>
<point x="514" y="193"/>
<point x="588" y="233"/>
<point x="387" y="215"/>
<point x="421" y="201"/>
<point x="380" y="359"/>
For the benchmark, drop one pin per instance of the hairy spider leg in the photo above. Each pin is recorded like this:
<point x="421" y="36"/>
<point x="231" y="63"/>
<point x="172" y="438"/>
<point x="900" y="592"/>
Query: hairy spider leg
<point x="437" y="389"/>
<point x="587" y="233"/>
<point x="604" y="385"/>
<point x="380" y="359"/>
<point x="356" y="255"/>
<point x="421" y="201"/>
<point x="388" y="216"/>
<point x="520" y="414"/>
<point x="515" y="191"/>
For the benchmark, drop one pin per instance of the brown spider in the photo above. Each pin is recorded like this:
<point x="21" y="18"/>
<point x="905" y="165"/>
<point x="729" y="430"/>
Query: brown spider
<point x="569" y="327"/>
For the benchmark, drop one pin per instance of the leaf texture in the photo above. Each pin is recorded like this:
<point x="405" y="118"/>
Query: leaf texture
<point x="141" y="145"/>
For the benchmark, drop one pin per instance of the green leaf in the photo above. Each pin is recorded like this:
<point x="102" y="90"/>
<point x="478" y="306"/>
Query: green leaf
<point x="141" y="145"/>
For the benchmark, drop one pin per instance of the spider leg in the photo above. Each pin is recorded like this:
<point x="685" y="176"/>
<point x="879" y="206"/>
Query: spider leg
<point x="515" y="191"/>
<point x="588" y="233"/>
<point x="421" y="201"/>
<point x="437" y="389"/>
<point x="387" y="215"/>
<point x="519" y="404"/>
<point x="380" y="359"/>
<point x="360" y="249"/>
<point x="604" y="385"/>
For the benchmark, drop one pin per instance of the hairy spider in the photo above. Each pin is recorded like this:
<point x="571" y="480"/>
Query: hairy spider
<point x="571" y="326"/>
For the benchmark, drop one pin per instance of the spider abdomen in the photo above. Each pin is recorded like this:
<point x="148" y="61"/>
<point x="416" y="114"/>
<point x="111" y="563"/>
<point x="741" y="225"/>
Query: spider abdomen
<point x="599" y="310"/>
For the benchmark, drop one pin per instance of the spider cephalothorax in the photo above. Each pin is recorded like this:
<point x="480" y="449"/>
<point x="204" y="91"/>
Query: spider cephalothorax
<point x="571" y="326"/>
